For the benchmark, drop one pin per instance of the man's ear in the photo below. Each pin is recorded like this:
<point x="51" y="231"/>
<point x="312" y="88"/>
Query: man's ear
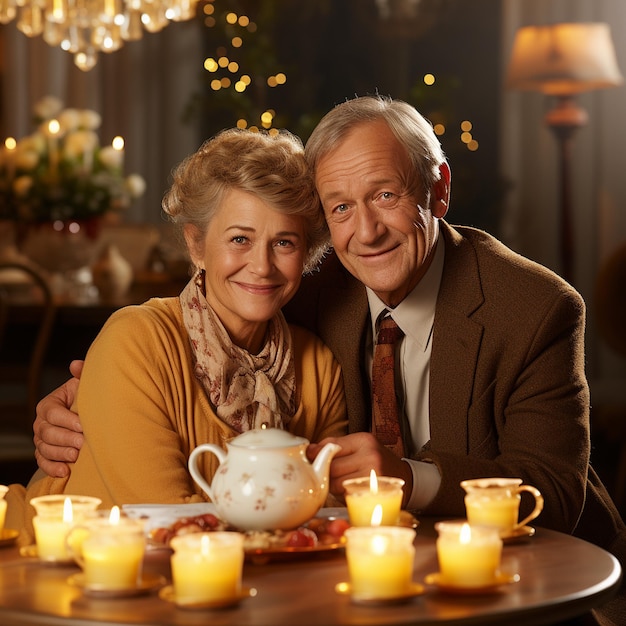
<point x="441" y="192"/>
<point x="193" y="239"/>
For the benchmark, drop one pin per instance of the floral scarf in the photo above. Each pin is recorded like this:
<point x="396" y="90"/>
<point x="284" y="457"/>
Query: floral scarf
<point x="247" y="390"/>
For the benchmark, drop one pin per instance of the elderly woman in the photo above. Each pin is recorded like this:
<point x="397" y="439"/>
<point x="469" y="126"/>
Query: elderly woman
<point x="220" y="359"/>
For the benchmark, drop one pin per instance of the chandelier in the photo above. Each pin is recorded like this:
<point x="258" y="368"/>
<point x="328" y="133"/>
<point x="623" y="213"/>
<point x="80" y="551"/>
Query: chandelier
<point x="86" y="27"/>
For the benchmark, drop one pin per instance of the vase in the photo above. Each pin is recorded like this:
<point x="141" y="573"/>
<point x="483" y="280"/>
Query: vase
<point x="65" y="251"/>
<point x="112" y="273"/>
<point x="60" y="247"/>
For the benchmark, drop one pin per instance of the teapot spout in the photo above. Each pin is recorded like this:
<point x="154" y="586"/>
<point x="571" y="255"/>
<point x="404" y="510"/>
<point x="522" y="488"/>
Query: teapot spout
<point x="321" y="467"/>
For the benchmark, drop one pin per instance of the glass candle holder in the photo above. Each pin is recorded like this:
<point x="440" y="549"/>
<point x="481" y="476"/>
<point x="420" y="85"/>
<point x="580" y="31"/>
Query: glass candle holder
<point x="380" y="561"/>
<point x="496" y="501"/>
<point x="3" y="505"/>
<point x="109" y="548"/>
<point x="207" y="567"/>
<point x="469" y="556"/>
<point x="363" y="494"/>
<point x="55" y="516"/>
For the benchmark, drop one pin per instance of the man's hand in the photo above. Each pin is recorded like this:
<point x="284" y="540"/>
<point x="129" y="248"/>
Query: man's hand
<point x="58" y="432"/>
<point x="360" y="453"/>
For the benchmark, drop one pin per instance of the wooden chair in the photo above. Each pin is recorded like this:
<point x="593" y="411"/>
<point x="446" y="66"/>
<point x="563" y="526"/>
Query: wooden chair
<point x="22" y="351"/>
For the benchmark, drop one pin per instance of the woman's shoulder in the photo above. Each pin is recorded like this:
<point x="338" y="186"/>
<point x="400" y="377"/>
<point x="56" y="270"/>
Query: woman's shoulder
<point x="158" y="318"/>
<point x="151" y="311"/>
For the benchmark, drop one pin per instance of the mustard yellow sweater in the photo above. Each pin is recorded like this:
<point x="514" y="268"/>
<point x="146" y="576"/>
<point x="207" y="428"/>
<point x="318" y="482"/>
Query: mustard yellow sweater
<point x="143" y="412"/>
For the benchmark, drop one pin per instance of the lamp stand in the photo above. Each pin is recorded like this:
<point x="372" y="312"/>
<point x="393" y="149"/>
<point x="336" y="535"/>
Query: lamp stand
<point x="564" y="120"/>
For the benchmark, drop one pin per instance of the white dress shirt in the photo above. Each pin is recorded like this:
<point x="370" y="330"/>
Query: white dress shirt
<point x="415" y="315"/>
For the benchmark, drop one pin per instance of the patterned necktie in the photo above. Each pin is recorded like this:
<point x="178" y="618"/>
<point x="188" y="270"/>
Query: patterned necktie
<point x="385" y="415"/>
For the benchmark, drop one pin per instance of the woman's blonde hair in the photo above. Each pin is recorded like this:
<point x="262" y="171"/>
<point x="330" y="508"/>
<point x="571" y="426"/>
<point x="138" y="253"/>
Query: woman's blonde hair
<point x="270" y="166"/>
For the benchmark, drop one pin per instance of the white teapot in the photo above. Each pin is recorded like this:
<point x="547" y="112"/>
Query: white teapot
<point x="266" y="482"/>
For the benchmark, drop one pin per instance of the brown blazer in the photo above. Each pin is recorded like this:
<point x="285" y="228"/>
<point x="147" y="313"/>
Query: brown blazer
<point x="508" y="393"/>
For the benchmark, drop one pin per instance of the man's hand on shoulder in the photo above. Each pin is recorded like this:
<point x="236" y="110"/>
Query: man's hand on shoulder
<point x="57" y="430"/>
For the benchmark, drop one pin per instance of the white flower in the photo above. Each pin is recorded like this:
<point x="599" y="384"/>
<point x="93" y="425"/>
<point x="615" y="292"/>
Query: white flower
<point x="22" y="185"/>
<point x="89" y="119"/>
<point x="35" y="143"/>
<point x="69" y="119"/>
<point x="135" y="185"/>
<point x="79" y="142"/>
<point x="111" y="158"/>
<point x="48" y="107"/>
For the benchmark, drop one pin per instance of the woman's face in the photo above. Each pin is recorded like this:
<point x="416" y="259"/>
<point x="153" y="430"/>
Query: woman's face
<point x="253" y="256"/>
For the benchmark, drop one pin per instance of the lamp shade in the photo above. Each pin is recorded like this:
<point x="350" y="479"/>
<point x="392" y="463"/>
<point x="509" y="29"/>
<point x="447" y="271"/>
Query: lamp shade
<point x="563" y="59"/>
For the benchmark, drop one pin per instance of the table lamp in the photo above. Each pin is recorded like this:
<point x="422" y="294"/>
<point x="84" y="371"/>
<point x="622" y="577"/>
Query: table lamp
<point x="563" y="60"/>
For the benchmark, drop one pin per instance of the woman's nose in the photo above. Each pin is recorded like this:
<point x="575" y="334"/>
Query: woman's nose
<point x="261" y="261"/>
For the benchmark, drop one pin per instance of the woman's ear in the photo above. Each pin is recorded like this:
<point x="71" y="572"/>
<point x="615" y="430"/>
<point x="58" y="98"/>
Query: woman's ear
<point x="441" y="192"/>
<point x="195" y="244"/>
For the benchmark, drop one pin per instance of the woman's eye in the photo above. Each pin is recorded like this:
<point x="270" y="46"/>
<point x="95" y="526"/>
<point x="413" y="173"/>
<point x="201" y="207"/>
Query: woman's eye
<point x="240" y="239"/>
<point x="284" y="243"/>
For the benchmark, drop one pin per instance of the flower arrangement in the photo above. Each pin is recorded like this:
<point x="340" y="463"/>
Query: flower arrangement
<point x="61" y="172"/>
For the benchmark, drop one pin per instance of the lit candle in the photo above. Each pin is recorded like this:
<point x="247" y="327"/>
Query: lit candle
<point x="3" y="505"/>
<point x="111" y="551"/>
<point x="380" y="560"/>
<point x="56" y="514"/>
<point x="54" y="128"/>
<point x="10" y="146"/>
<point x="363" y="494"/>
<point x="207" y="567"/>
<point x="50" y="534"/>
<point x="469" y="556"/>
<point x="496" y="501"/>
<point x="118" y="146"/>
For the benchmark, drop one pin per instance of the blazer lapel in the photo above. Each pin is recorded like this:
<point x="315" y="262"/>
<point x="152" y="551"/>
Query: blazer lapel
<point x="343" y="326"/>
<point x="456" y="344"/>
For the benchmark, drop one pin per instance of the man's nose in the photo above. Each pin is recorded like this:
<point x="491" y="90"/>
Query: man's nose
<point x="368" y="224"/>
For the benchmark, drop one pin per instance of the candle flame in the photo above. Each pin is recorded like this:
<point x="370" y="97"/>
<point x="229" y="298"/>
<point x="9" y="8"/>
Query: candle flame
<point x="114" y="517"/>
<point x="118" y="143"/>
<point x="466" y="534"/>
<point x="205" y="544"/>
<point x="377" y="515"/>
<point x="54" y="127"/>
<point x="379" y="544"/>
<point x="10" y="143"/>
<point x="373" y="482"/>
<point x="68" y="514"/>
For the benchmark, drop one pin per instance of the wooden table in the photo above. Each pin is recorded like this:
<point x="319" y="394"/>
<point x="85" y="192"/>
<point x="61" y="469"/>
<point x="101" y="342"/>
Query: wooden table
<point x="561" y="577"/>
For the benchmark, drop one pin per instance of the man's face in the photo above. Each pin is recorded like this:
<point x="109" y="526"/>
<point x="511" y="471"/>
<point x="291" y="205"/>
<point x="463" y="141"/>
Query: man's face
<point x="381" y="231"/>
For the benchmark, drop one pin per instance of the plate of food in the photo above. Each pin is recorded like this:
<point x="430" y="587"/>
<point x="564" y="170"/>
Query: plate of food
<point x="320" y="535"/>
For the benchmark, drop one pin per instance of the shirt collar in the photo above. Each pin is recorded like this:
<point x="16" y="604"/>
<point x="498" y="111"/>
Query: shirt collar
<point x="416" y="313"/>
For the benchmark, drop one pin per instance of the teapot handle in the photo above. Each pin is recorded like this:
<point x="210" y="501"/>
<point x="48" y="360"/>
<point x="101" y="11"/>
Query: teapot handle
<point x="193" y="465"/>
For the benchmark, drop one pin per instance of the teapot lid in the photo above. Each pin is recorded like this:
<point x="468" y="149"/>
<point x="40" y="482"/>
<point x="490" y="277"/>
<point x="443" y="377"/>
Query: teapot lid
<point x="267" y="438"/>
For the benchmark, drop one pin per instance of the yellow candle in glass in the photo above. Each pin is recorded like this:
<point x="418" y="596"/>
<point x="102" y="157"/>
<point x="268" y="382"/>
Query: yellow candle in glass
<point x="363" y="494"/>
<point x="496" y="502"/>
<point x="380" y="561"/>
<point x="56" y="514"/>
<point x="469" y="556"/>
<point x="207" y="567"/>
<point x="3" y="505"/>
<point x="51" y="532"/>
<point x="110" y="551"/>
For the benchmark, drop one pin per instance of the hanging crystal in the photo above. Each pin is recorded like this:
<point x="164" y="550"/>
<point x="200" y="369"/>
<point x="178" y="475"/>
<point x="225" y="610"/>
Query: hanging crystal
<point x="86" y="27"/>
